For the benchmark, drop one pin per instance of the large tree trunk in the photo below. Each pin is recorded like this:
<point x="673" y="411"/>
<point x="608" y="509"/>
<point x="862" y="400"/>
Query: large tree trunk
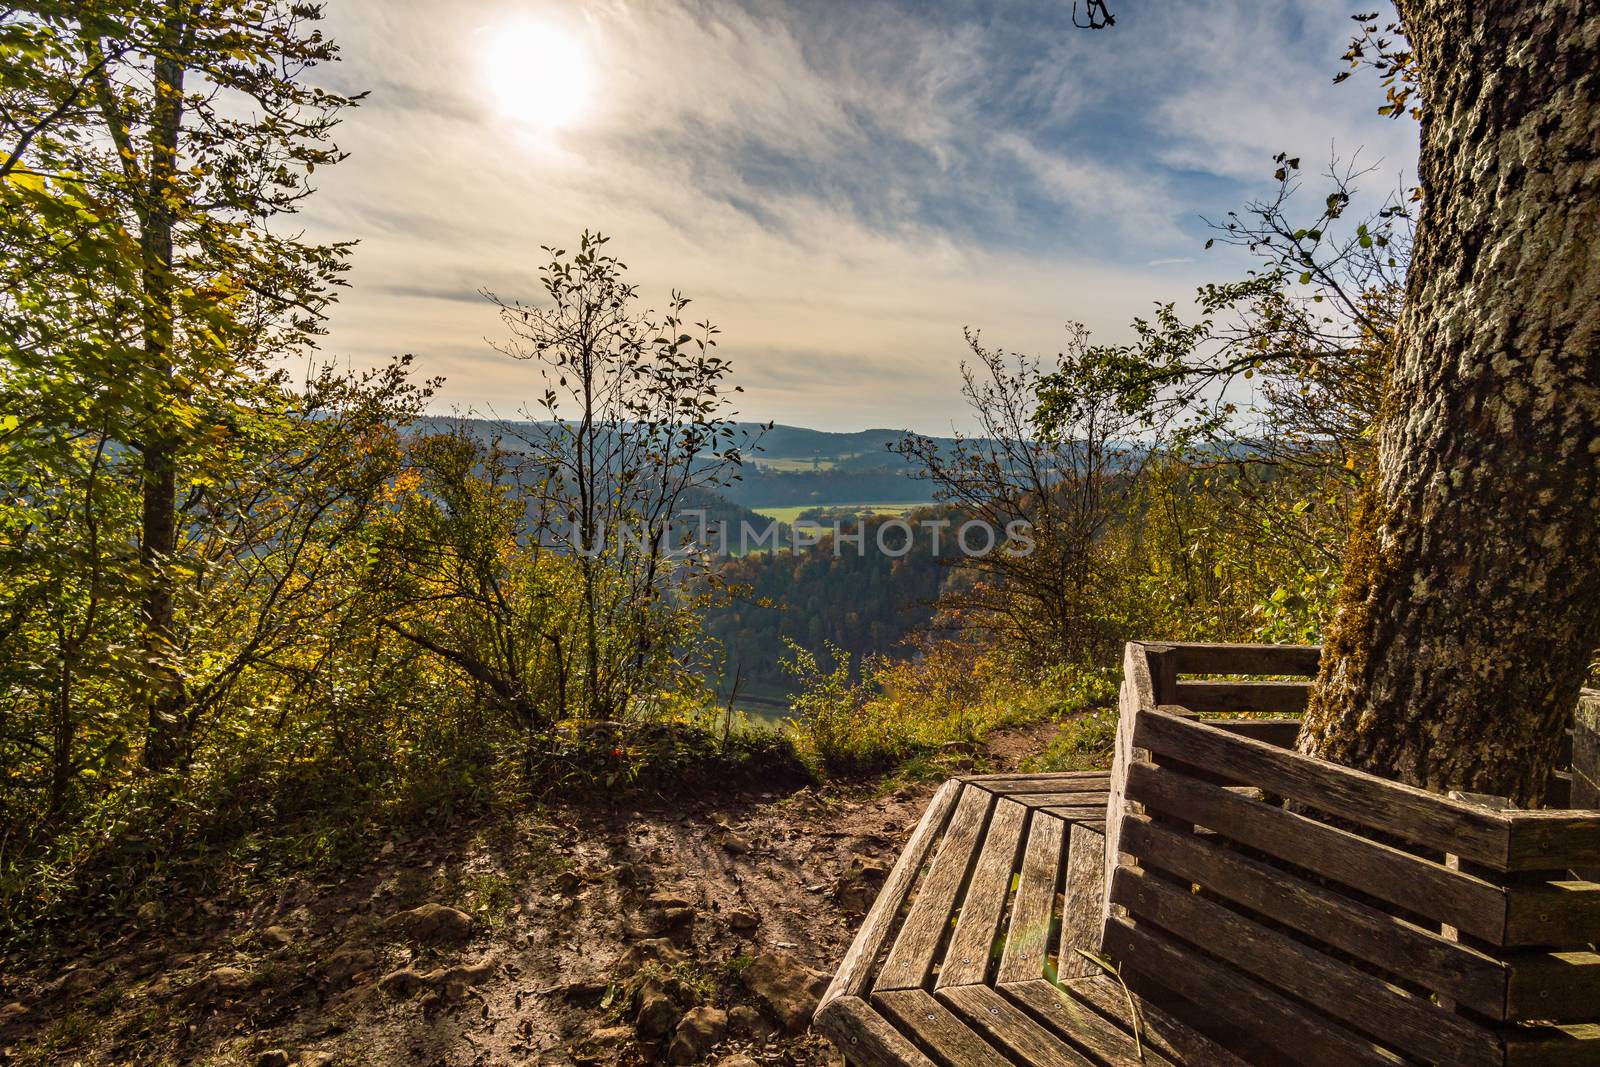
<point x="1472" y="597"/>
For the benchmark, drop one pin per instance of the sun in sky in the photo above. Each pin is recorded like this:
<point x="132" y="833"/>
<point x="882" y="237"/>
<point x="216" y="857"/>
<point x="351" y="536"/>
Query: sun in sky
<point x="538" y="73"/>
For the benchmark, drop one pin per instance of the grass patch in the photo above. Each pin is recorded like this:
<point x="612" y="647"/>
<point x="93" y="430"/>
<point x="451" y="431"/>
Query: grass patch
<point x="1084" y="744"/>
<point x="926" y="717"/>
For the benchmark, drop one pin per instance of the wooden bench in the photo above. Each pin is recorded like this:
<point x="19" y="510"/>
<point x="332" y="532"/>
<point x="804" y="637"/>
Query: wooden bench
<point x="974" y="952"/>
<point x="1332" y="916"/>
<point x="1259" y="906"/>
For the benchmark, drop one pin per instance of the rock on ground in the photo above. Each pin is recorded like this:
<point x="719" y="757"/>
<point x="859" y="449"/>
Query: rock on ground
<point x="786" y="987"/>
<point x="430" y="924"/>
<point x="698" y="1032"/>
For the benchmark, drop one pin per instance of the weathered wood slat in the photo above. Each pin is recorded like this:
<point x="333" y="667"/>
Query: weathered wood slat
<point x="916" y="1012"/>
<point x="1085" y="893"/>
<point x="1201" y="658"/>
<point x="1092" y="817"/>
<point x="1279" y="733"/>
<point x="1553" y="840"/>
<point x="966" y="961"/>
<point x="1305" y="1037"/>
<point x="1464" y="829"/>
<point x="867" y="1038"/>
<point x="1005" y="1023"/>
<point x="1558" y="794"/>
<point x="1045" y="786"/>
<point x="1080" y="1024"/>
<point x="1028" y="935"/>
<point x="1576" y="1045"/>
<point x="1003" y="780"/>
<point x="1442" y="965"/>
<point x="1283" y="697"/>
<point x="1398" y="1019"/>
<point x="1070" y="799"/>
<point x="1554" y="985"/>
<point x="1130" y="698"/>
<point x="1564" y="912"/>
<point x="856" y="969"/>
<point x="1471" y="904"/>
<point x="1586" y="751"/>
<point x="911" y="956"/>
<point x="1176" y="1040"/>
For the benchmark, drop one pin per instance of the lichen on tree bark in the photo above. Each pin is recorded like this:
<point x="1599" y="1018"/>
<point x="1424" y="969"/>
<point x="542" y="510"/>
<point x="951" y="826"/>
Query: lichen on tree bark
<point x="1472" y="597"/>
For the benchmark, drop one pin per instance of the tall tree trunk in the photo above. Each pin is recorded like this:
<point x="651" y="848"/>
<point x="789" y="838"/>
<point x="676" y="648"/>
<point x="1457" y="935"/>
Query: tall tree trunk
<point x="159" y="519"/>
<point x="1472" y="596"/>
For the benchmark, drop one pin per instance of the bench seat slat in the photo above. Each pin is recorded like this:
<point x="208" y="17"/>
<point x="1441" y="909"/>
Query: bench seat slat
<point x="1075" y="1021"/>
<point x="1028" y="936"/>
<point x="915" y="1011"/>
<point x="1176" y="1040"/>
<point x="867" y="1038"/>
<point x="912" y="955"/>
<point x="1085" y="895"/>
<point x="972" y="946"/>
<point x="1004" y="1022"/>
<point x="855" y="971"/>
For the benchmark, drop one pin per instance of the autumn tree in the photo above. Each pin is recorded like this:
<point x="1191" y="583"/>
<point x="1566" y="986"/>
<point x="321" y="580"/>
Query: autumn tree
<point x="632" y="422"/>
<point x="1049" y="469"/>
<point x="150" y="149"/>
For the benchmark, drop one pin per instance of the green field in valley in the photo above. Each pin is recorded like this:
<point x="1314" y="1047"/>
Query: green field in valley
<point x="791" y="513"/>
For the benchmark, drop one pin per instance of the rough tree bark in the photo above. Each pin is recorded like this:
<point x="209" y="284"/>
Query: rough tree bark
<point x="158" y="534"/>
<point x="1472" y="597"/>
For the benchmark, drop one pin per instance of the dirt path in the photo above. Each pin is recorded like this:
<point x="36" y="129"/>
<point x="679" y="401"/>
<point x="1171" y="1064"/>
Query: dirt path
<point x="540" y="938"/>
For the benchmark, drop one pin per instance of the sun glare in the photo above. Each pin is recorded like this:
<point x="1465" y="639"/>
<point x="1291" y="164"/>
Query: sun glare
<point x="538" y="73"/>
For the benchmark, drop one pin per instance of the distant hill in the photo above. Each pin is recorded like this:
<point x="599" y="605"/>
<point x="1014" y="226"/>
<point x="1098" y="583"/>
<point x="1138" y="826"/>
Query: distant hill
<point x="789" y="466"/>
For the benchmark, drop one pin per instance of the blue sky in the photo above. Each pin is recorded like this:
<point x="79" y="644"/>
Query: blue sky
<point x="841" y="186"/>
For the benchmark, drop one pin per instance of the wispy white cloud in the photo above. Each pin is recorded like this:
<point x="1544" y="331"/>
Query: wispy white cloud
<point x="841" y="187"/>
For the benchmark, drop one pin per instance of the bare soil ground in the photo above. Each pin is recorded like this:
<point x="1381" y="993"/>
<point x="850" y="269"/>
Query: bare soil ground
<point x="564" y="919"/>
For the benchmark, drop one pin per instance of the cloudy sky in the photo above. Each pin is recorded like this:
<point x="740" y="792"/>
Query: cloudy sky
<point x="841" y="185"/>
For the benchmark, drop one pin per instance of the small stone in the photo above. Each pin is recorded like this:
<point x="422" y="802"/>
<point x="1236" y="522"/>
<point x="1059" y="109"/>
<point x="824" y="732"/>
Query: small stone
<point x="786" y="987"/>
<point x="735" y="844"/>
<point x="277" y="937"/>
<point x="745" y="1021"/>
<point x="402" y="982"/>
<point x="658" y="1013"/>
<point x="464" y="974"/>
<point x="698" y="1031"/>
<point x="858" y="886"/>
<point x="346" y="964"/>
<point x="219" y="984"/>
<point x="596" y="1047"/>
<point x="650" y="949"/>
<point x="273" y="1057"/>
<point x="738" y="1059"/>
<point x="584" y="992"/>
<point x="430" y="924"/>
<point x="77" y="981"/>
<point x="742" y="920"/>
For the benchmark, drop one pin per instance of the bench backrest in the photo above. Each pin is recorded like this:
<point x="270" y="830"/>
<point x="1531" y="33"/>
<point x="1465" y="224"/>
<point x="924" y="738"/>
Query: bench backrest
<point x="1335" y="917"/>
